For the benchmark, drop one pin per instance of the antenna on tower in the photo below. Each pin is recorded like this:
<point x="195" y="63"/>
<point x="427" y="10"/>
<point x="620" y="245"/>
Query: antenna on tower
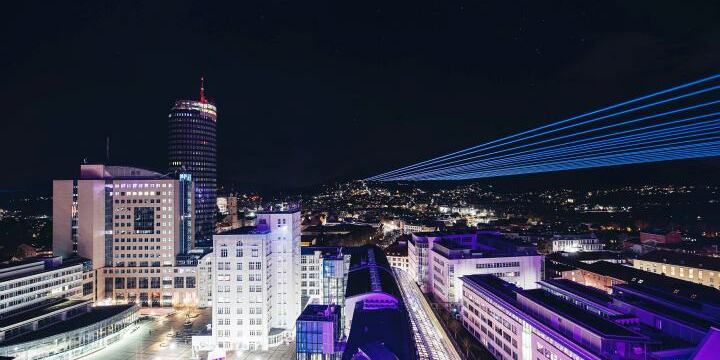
<point x="202" y="90"/>
<point x="107" y="150"/>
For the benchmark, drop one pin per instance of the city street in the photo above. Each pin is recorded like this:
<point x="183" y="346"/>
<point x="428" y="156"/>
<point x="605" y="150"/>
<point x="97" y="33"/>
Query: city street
<point x="431" y="340"/>
<point x="157" y="338"/>
<point x="166" y="338"/>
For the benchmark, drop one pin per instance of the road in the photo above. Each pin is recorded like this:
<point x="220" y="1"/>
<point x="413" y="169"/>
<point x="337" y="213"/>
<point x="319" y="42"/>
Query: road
<point x="166" y="338"/>
<point x="431" y="340"/>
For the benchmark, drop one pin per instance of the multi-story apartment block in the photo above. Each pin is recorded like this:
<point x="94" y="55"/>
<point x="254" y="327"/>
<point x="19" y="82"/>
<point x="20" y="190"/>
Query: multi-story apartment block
<point x="131" y="223"/>
<point x="256" y="282"/>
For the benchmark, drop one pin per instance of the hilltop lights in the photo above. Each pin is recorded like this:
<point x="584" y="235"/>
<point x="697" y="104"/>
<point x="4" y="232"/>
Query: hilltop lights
<point x="659" y="135"/>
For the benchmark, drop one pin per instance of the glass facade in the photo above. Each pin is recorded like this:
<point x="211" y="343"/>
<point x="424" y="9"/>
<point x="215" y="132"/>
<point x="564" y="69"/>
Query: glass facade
<point x="316" y="333"/>
<point x="192" y="149"/>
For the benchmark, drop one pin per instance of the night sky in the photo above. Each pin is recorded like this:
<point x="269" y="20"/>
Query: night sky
<point x="310" y="92"/>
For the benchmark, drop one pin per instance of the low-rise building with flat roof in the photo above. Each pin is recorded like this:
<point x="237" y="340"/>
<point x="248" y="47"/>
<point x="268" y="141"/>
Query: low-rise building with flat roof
<point x="533" y="324"/>
<point x="703" y="270"/>
<point x="575" y="243"/>
<point x="318" y="333"/>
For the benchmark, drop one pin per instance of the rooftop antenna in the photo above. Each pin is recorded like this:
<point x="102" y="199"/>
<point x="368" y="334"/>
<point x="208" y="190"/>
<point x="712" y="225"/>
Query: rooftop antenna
<point x="107" y="149"/>
<point x="202" y="90"/>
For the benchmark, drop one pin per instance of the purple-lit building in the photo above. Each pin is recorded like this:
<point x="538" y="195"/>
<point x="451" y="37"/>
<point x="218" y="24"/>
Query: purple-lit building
<point x="534" y="324"/>
<point x="567" y="320"/>
<point x="317" y="333"/>
<point x="379" y="326"/>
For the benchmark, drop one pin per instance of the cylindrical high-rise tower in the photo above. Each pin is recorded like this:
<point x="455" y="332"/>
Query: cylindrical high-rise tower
<point x="192" y="148"/>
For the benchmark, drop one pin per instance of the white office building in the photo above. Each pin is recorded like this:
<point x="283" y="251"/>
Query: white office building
<point x="131" y="223"/>
<point x="438" y="260"/>
<point x="449" y="261"/>
<point x="575" y="243"/>
<point x="39" y="281"/>
<point x="256" y="282"/>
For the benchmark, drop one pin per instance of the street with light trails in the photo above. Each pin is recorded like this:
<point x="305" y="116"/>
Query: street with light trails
<point x="431" y="340"/>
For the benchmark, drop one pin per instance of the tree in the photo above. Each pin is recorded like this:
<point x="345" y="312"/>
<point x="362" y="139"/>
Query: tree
<point x="454" y="326"/>
<point x="466" y="342"/>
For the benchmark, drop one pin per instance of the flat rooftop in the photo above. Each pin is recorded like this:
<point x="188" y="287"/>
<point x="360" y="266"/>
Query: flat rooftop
<point x="681" y="288"/>
<point x="48" y="308"/>
<point x="670" y="312"/>
<point x="314" y="312"/>
<point x="512" y="294"/>
<point x="288" y="210"/>
<point x="324" y="250"/>
<point x="503" y="289"/>
<point x="586" y="236"/>
<point x="246" y="230"/>
<point x="481" y="250"/>
<point x="586" y="292"/>
<point x="575" y="314"/>
<point x="97" y="314"/>
<point x="37" y="265"/>
<point x="681" y="259"/>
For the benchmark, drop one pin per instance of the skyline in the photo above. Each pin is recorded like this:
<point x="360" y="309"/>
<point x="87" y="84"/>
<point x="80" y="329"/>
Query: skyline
<point x="384" y="70"/>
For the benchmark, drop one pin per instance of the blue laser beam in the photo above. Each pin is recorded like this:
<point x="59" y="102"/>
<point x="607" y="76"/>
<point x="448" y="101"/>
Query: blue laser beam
<point x="676" y="155"/>
<point x="479" y="147"/>
<point x="618" y="160"/>
<point x="615" y="149"/>
<point x="581" y="141"/>
<point x="674" y="132"/>
<point x="684" y="131"/>
<point x="569" y="135"/>
<point x="657" y="136"/>
<point x="627" y="122"/>
<point x="602" y="160"/>
<point x="613" y="162"/>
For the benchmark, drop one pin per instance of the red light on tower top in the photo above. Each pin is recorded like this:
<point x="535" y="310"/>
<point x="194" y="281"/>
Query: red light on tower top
<point x="202" y="90"/>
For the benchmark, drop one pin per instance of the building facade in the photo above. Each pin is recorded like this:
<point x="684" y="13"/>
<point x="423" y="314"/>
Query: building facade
<point x="448" y="262"/>
<point x="192" y="148"/>
<point x="532" y="324"/>
<point x="659" y="236"/>
<point x="702" y="270"/>
<point x="323" y="275"/>
<point x="318" y="332"/>
<point x="575" y="243"/>
<point x="397" y="254"/>
<point x="438" y="260"/>
<point x="256" y="282"/>
<point x="46" y="311"/>
<point x="131" y="223"/>
<point x="36" y="282"/>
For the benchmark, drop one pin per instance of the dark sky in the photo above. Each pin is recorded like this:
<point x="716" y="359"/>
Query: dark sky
<point x="313" y="91"/>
